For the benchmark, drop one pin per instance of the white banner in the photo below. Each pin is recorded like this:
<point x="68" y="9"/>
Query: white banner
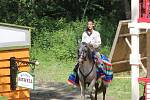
<point x="14" y="37"/>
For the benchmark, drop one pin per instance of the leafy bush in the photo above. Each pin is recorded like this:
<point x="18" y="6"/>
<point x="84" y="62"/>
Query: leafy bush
<point x="55" y="37"/>
<point x="61" y="38"/>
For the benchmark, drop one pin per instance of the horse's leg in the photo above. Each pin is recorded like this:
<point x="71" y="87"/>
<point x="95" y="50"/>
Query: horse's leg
<point x="105" y="85"/>
<point x="92" y="84"/>
<point x="96" y="87"/>
<point x="90" y="88"/>
<point x="104" y="92"/>
<point x="82" y="90"/>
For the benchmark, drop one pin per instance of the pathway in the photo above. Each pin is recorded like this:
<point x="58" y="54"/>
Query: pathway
<point x="58" y="91"/>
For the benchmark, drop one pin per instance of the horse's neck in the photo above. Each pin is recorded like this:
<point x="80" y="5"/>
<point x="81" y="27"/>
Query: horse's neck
<point x="88" y="68"/>
<point x="88" y="65"/>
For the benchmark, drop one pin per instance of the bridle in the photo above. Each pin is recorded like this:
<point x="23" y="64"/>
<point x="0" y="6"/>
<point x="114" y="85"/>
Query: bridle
<point x="82" y="56"/>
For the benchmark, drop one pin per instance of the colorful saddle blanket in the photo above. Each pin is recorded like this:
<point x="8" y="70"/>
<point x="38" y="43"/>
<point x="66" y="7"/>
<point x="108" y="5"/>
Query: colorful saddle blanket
<point x="104" y="71"/>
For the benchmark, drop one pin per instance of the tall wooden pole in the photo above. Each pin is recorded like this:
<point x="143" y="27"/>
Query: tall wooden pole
<point x="134" y="56"/>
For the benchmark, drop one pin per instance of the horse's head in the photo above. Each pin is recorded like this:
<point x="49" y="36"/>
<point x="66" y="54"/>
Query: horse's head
<point x="84" y="53"/>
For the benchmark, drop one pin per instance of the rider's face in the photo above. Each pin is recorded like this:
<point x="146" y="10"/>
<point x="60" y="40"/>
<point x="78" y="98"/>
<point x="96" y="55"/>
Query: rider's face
<point x="90" y="25"/>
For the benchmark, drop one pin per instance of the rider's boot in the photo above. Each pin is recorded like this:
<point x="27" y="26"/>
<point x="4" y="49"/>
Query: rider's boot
<point x="76" y="71"/>
<point x="76" y="68"/>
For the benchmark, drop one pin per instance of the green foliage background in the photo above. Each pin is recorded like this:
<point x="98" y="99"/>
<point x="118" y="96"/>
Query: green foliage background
<point x="61" y="38"/>
<point x="58" y="25"/>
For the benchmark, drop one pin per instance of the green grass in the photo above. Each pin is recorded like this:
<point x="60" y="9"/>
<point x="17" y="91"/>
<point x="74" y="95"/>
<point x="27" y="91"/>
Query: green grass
<point x="51" y="70"/>
<point x="120" y="88"/>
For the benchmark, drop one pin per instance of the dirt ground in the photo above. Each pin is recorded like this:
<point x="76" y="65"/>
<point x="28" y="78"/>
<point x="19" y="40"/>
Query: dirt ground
<point x="59" y="91"/>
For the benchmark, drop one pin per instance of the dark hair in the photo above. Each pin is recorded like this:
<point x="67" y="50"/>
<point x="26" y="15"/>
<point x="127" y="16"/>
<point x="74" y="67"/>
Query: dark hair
<point x="90" y="20"/>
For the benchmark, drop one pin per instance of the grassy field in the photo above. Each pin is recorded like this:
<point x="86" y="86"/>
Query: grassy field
<point x="50" y="70"/>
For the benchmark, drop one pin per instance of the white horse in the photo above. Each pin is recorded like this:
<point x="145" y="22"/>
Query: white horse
<point x="87" y="71"/>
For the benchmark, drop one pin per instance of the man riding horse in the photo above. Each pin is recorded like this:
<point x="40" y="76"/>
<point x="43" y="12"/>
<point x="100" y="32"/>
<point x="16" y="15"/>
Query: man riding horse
<point x="93" y="39"/>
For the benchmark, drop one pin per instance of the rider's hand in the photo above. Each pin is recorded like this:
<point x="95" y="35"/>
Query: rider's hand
<point x="90" y="44"/>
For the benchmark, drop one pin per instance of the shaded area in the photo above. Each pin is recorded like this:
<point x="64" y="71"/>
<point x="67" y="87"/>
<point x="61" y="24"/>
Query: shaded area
<point x="49" y="95"/>
<point x="55" y="91"/>
<point x="58" y="91"/>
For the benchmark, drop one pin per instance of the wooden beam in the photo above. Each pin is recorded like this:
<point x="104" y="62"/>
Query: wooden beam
<point x="125" y="61"/>
<point x="126" y="35"/>
<point x="122" y="77"/>
<point x="115" y="41"/>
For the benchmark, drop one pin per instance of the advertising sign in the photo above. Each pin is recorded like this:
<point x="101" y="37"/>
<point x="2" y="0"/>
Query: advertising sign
<point x="25" y="80"/>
